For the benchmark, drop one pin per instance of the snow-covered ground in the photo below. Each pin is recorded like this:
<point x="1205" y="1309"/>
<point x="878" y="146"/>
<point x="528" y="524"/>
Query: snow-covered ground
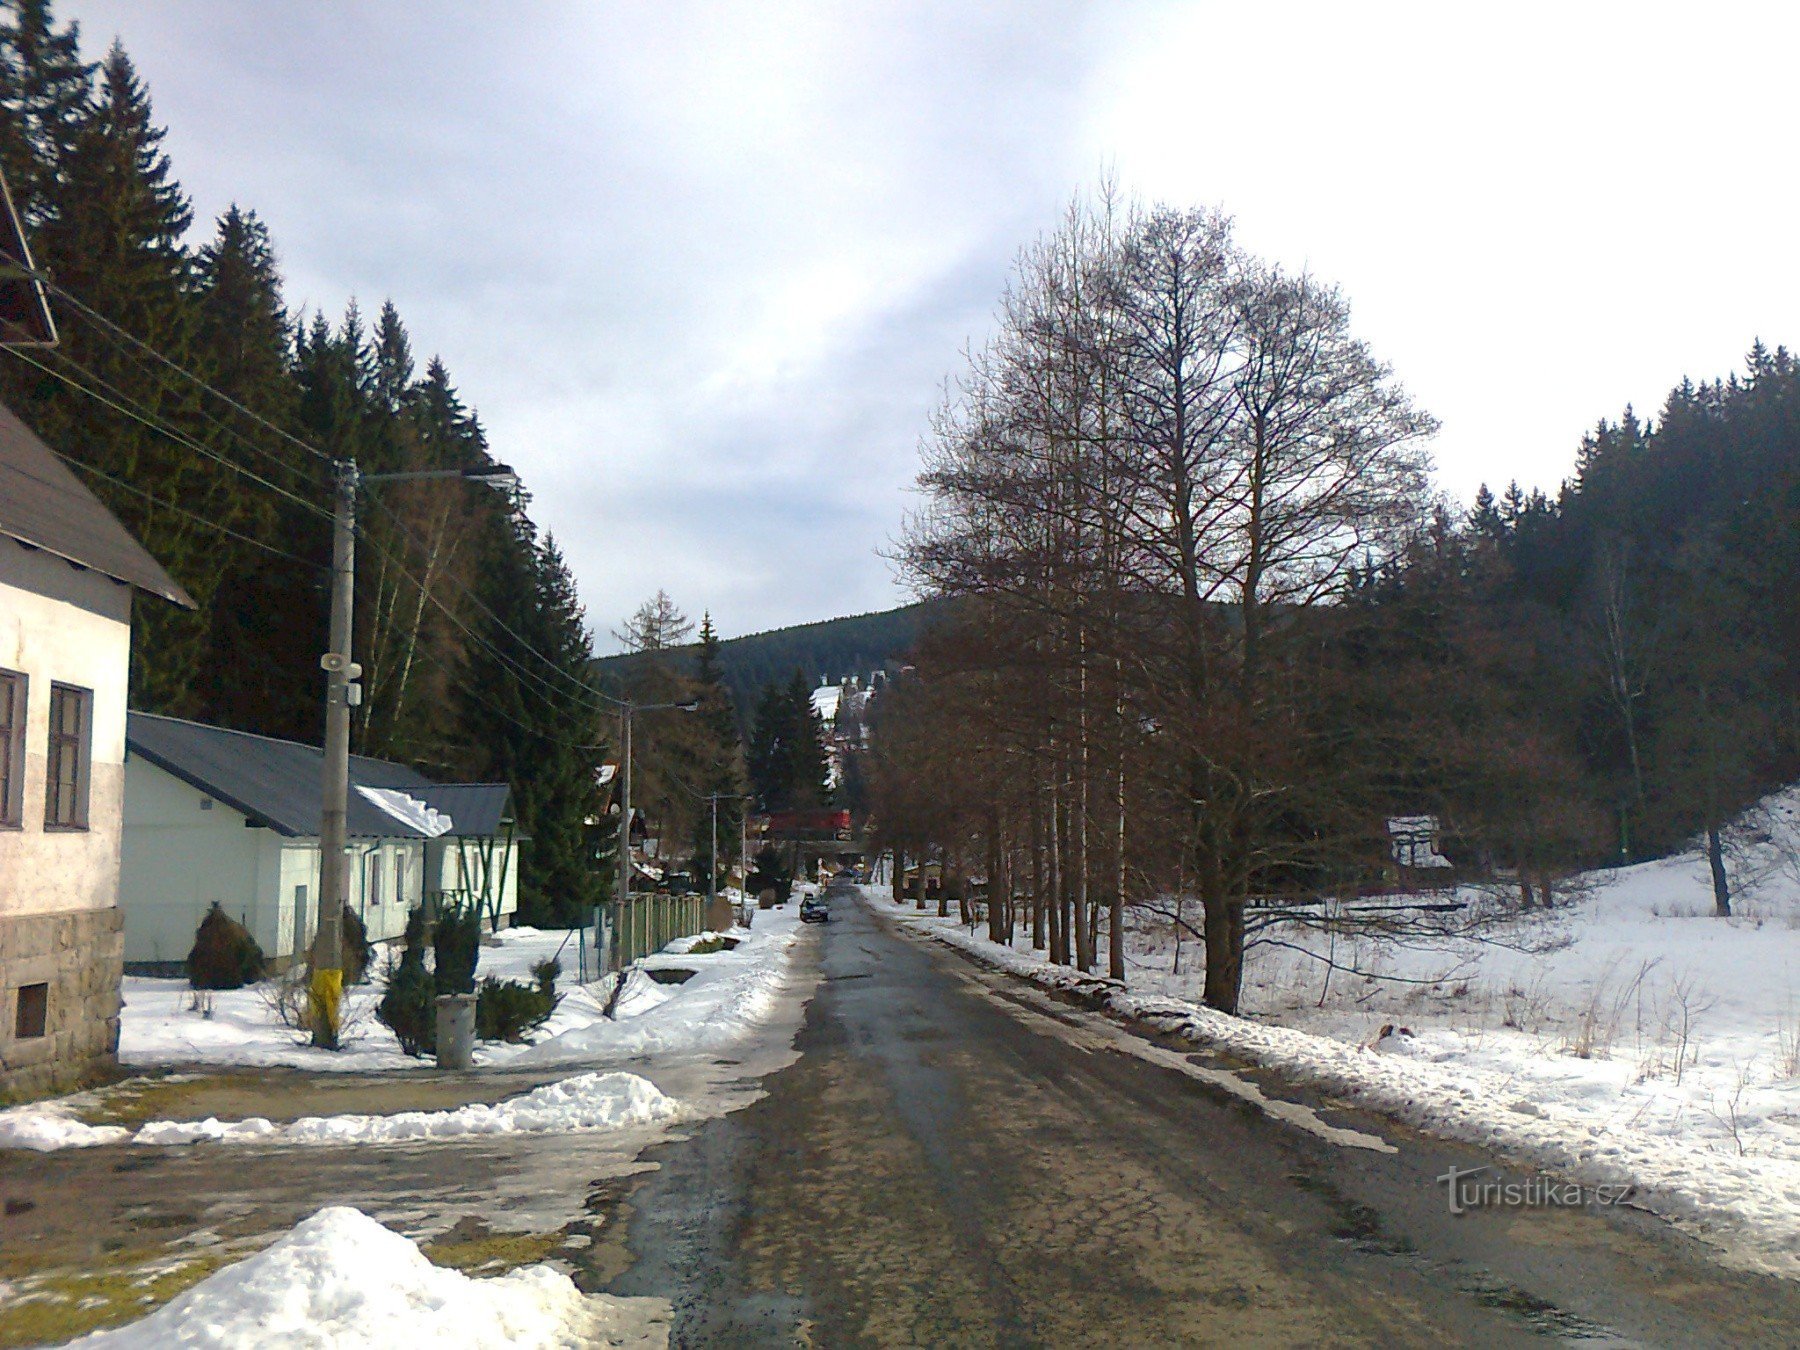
<point x="1627" y="1037"/>
<point x="341" y="1279"/>
<point x="729" y="994"/>
<point x="166" y="1023"/>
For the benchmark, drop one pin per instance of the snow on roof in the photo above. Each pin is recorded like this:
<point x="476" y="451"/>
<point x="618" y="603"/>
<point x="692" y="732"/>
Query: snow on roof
<point x="409" y="811"/>
<point x="825" y="701"/>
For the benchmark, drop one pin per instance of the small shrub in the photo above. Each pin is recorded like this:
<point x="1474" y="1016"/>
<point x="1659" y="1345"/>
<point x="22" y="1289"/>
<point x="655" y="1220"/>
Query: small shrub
<point x="507" y="1009"/>
<point x="457" y="947"/>
<point x="288" y="997"/>
<point x="224" y="955"/>
<point x="408" y="1005"/>
<point x="356" y="950"/>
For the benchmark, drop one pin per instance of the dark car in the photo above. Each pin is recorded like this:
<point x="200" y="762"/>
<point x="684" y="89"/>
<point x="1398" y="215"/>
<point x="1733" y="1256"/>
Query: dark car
<point x="813" y="909"/>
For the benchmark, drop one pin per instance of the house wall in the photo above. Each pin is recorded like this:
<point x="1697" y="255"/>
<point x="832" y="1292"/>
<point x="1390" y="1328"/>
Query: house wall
<point x="180" y="855"/>
<point x="59" y="921"/>
<point x="460" y="866"/>
<point x="182" y="851"/>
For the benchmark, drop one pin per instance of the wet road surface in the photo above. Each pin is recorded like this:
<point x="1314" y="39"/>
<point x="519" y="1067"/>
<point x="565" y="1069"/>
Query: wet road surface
<point x="957" y="1160"/>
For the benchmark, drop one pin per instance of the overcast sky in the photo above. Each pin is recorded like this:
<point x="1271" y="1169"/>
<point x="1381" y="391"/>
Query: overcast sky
<point x="703" y="268"/>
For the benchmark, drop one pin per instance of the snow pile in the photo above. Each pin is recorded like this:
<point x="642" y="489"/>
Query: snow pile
<point x="44" y="1130"/>
<point x="409" y="811"/>
<point x="1598" y="1089"/>
<point x="588" y="1101"/>
<point x="341" y="1279"/>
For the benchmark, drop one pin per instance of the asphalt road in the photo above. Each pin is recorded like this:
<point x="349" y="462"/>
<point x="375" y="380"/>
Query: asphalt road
<point x="955" y="1160"/>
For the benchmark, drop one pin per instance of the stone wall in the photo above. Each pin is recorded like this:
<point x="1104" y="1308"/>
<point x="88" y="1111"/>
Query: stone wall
<point x="80" y="955"/>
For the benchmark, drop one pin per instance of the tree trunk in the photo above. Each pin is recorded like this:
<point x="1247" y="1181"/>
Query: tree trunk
<point x="996" y="893"/>
<point x="1039" y="893"/>
<point x="1059" y="885"/>
<point x="1115" y="947"/>
<point x="1224" y="951"/>
<point x="1715" y="859"/>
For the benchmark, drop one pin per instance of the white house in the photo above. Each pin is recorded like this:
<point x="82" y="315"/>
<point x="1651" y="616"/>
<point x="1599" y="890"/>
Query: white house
<point x="213" y="815"/>
<point x="67" y="572"/>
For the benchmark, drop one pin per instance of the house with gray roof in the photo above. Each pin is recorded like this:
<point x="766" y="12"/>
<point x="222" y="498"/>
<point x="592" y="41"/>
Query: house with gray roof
<point x="220" y="816"/>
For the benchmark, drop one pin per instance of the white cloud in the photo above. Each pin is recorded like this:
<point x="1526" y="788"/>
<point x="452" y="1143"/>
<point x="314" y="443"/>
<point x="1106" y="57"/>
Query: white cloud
<point x="701" y="267"/>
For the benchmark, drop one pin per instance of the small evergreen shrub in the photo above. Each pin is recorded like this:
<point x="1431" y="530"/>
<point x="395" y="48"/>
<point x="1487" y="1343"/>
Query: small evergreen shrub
<point x="224" y="955"/>
<point x="457" y="947"/>
<point x="506" y="1009"/>
<point x="767" y="874"/>
<point x="357" y="953"/>
<point x="408" y="1004"/>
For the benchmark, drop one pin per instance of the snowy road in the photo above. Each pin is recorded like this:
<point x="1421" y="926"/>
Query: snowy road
<point x="958" y="1160"/>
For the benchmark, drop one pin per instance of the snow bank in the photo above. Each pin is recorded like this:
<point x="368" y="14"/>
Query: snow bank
<point x="45" y="1130"/>
<point x="1748" y="1205"/>
<point x="341" y="1279"/>
<point x="729" y="995"/>
<point x="588" y="1101"/>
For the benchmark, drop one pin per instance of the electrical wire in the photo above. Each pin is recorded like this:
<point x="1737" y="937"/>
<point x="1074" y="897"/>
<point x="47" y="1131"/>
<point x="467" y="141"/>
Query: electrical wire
<point x="149" y="420"/>
<point x="100" y="320"/>
<point x="129" y="407"/>
<point x="579" y="686"/>
<point x="468" y="593"/>
<point x="194" y="516"/>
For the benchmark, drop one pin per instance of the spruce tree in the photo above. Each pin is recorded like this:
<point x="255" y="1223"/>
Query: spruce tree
<point x="533" y="724"/>
<point x="268" y="615"/>
<point x="720" y="755"/>
<point x="113" y="237"/>
<point x="44" y="91"/>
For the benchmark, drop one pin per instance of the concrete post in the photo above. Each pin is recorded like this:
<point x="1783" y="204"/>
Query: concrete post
<point x="456" y="1031"/>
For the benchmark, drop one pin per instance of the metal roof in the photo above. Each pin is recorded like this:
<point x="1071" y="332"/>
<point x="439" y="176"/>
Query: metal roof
<point x="43" y="504"/>
<point x="479" y="809"/>
<point x="277" y="783"/>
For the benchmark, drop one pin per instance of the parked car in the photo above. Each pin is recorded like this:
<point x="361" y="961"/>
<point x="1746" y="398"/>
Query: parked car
<point x="813" y="909"/>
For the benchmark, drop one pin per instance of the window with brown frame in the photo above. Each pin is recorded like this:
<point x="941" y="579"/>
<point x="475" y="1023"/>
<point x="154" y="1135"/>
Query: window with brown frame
<point x="70" y="765"/>
<point x="12" y="749"/>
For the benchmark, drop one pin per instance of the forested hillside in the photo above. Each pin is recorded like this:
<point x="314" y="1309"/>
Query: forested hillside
<point x="830" y="648"/>
<point x="208" y="415"/>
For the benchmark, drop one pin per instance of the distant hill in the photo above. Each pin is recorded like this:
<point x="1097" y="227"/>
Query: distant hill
<point x="829" y="649"/>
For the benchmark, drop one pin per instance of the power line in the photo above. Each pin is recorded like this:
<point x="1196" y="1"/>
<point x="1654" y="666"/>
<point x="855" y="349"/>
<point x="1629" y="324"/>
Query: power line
<point x="150" y="420"/>
<point x="468" y="593"/>
<point x="106" y="325"/>
<point x="50" y="284"/>
<point x="199" y="408"/>
<point x="194" y="516"/>
<point x="546" y="691"/>
<point x="129" y="407"/>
